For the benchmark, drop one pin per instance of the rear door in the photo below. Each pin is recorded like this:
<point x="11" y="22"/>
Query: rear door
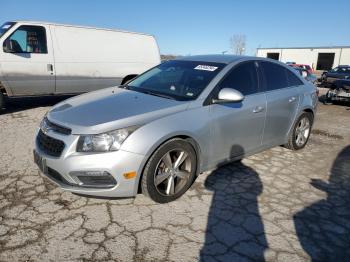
<point x="282" y="89"/>
<point x="237" y="128"/>
<point x="28" y="61"/>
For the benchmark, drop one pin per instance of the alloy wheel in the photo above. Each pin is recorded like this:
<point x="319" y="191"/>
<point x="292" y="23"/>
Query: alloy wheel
<point x="172" y="172"/>
<point x="302" y="131"/>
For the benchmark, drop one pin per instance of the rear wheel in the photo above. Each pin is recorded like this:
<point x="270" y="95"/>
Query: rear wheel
<point x="170" y="171"/>
<point x="301" y="132"/>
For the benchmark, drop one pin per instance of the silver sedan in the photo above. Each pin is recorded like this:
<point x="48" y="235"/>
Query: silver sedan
<point x="180" y="118"/>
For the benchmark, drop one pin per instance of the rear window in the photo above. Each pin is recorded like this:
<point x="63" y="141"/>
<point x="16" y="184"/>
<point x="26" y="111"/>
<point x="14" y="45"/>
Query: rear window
<point x="275" y="76"/>
<point x="293" y="80"/>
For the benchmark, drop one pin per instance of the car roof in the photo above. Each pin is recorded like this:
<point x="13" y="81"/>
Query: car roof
<point x="226" y="59"/>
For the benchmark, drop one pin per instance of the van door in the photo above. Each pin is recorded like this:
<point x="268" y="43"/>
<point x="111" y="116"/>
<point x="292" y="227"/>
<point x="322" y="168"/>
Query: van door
<point x="28" y="62"/>
<point x="282" y="89"/>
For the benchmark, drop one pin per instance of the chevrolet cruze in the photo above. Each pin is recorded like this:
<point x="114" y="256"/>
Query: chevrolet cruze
<point x="180" y="118"/>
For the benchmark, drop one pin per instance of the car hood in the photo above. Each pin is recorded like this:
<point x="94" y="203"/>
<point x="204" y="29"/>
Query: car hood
<point x="111" y="108"/>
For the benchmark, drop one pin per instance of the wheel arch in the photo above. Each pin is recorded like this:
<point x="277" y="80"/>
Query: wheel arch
<point x="309" y="110"/>
<point x="185" y="137"/>
<point x="305" y="109"/>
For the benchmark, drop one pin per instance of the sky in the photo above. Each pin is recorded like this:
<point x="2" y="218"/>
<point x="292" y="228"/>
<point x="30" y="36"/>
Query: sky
<point x="191" y="27"/>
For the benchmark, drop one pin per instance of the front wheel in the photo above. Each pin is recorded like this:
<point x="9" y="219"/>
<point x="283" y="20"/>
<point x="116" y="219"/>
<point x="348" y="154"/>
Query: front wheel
<point x="301" y="132"/>
<point x="170" y="171"/>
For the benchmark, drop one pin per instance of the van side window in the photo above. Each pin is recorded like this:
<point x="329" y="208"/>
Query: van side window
<point x="293" y="80"/>
<point x="275" y="76"/>
<point x="242" y="78"/>
<point x="27" y="39"/>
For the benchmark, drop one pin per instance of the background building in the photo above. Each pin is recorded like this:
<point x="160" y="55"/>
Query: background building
<point x="319" y="58"/>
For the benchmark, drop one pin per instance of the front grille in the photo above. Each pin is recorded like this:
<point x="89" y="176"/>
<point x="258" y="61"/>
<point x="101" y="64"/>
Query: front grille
<point x="49" y="145"/>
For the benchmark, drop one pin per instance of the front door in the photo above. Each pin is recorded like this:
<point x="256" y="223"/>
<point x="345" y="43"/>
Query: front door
<point x="237" y="128"/>
<point x="28" y="62"/>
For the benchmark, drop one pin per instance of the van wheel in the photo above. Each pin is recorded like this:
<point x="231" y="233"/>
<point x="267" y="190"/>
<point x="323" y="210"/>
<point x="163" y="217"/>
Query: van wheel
<point x="170" y="171"/>
<point x="2" y="101"/>
<point x="301" y="132"/>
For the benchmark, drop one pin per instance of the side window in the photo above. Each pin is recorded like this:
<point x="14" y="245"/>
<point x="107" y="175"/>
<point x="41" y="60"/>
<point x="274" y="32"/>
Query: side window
<point x="242" y="78"/>
<point x="27" y="39"/>
<point x="293" y="80"/>
<point x="275" y="76"/>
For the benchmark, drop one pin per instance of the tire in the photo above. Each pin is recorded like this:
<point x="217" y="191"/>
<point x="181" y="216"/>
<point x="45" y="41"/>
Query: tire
<point x="2" y="101"/>
<point x="295" y="142"/>
<point x="170" y="171"/>
<point x="327" y="100"/>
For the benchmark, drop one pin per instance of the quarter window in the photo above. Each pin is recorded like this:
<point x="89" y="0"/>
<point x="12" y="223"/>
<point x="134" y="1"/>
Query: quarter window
<point x="275" y="76"/>
<point x="242" y="78"/>
<point x="293" y="80"/>
<point x="27" y="39"/>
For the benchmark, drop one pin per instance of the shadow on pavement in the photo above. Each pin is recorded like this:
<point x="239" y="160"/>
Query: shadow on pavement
<point x="235" y="230"/>
<point x="323" y="228"/>
<point x="14" y="105"/>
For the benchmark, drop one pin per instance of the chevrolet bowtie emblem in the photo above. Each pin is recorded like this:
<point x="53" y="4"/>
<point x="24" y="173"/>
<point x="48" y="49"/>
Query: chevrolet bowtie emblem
<point x="45" y="127"/>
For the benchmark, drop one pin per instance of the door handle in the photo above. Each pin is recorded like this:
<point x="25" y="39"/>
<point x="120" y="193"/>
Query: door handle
<point x="50" y="67"/>
<point x="258" y="109"/>
<point x="292" y="99"/>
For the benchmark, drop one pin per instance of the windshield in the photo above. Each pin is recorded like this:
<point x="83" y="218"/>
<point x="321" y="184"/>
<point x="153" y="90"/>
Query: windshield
<point x="5" y="27"/>
<point x="179" y="80"/>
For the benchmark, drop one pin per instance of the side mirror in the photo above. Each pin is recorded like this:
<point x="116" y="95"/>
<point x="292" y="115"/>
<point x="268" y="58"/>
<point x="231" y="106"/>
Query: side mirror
<point x="7" y="46"/>
<point x="227" y="95"/>
<point x="304" y="74"/>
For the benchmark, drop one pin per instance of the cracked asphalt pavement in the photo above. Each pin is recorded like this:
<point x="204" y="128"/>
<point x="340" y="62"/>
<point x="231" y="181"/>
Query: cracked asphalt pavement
<point x="277" y="205"/>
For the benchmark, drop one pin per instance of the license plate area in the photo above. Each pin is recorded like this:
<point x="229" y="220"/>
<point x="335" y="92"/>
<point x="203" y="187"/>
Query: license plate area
<point x="40" y="162"/>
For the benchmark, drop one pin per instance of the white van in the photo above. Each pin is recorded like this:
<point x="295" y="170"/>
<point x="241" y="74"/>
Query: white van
<point x="39" y="58"/>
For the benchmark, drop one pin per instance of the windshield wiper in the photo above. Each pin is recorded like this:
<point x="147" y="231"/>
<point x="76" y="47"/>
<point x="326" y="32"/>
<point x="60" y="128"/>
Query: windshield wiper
<point x="124" y="87"/>
<point x="156" y="94"/>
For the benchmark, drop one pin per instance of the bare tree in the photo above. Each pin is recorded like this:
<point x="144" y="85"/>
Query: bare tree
<point x="237" y="44"/>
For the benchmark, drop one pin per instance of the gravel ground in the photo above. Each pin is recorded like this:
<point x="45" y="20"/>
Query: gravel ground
<point x="278" y="205"/>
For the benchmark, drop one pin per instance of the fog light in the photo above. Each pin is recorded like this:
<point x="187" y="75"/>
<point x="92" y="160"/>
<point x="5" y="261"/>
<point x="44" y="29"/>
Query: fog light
<point x="96" y="179"/>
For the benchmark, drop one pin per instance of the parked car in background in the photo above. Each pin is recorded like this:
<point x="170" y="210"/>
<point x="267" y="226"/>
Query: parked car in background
<point x="303" y="66"/>
<point x="171" y="123"/>
<point x="339" y="91"/>
<point x="306" y="74"/>
<point x="340" y="72"/>
<point x="47" y="59"/>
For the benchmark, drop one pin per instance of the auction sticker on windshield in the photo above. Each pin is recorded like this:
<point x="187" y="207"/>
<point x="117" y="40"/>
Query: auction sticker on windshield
<point x="206" y="68"/>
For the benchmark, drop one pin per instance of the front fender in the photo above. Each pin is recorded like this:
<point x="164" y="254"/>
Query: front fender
<point x="192" y="123"/>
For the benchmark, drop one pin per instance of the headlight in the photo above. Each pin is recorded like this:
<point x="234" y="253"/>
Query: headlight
<point x="110" y="141"/>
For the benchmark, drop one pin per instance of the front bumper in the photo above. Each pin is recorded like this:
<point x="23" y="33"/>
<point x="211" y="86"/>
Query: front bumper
<point x="338" y="95"/>
<point x="60" y="169"/>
